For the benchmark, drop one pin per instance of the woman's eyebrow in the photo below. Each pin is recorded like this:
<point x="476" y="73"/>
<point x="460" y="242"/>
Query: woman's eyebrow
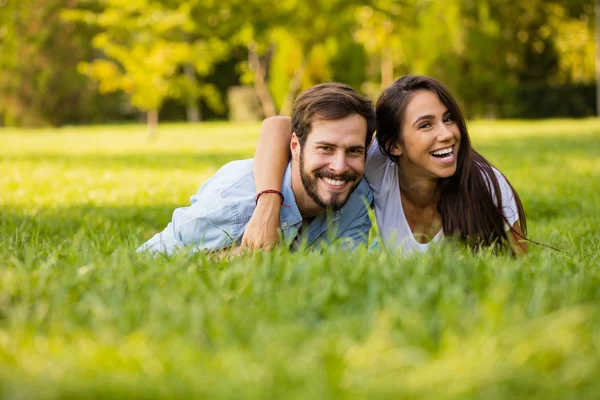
<point x="422" y="117"/>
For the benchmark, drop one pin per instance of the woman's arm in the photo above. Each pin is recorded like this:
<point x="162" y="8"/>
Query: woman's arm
<point x="517" y="239"/>
<point x="510" y="209"/>
<point x="272" y="153"/>
<point x="270" y="160"/>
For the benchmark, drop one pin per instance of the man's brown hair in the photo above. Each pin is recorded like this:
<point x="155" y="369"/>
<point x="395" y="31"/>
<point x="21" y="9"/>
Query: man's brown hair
<point x="330" y="101"/>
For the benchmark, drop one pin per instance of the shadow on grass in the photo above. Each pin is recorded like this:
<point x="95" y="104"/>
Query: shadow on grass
<point x="104" y="227"/>
<point x="111" y="226"/>
<point x="140" y="160"/>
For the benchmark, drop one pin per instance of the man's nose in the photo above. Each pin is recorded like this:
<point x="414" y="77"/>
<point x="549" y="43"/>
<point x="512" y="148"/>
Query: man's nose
<point x="338" y="163"/>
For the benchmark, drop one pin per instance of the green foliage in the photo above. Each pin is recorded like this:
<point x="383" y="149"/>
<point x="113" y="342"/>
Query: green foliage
<point x="296" y="40"/>
<point x="83" y="316"/>
<point x="39" y="82"/>
<point x="542" y="101"/>
<point x="152" y="51"/>
<point x="146" y="45"/>
<point x="484" y="50"/>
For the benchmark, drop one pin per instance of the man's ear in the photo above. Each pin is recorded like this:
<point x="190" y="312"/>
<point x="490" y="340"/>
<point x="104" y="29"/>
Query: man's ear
<point x="295" y="147"/>
<point x="396" y="149"/>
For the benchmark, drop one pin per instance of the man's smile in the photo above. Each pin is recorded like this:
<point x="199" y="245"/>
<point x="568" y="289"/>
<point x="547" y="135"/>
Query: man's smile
<point x="336" y="183"/>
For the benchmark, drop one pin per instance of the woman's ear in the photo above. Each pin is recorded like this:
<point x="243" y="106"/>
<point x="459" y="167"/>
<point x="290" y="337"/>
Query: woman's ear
<point x="396" y="149"/>
<point x="295" y="147"/>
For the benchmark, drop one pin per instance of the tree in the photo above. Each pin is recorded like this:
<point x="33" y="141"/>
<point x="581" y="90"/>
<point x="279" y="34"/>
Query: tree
<point x="597" y="9"/>
<point x="39" y="82"/>
<point x="153" y="51"/>
<point x="384" y="29"/>
<point x="290" y="45"/>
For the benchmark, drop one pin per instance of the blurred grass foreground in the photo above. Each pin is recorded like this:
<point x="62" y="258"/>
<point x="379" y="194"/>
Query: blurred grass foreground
<point x="83" y="316"/>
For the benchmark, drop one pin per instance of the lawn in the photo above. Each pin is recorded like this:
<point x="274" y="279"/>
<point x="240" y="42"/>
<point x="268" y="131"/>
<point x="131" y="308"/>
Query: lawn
<point x="83" y="316"/>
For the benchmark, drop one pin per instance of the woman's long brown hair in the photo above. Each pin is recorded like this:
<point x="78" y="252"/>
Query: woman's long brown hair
<point x="466" y="205"/>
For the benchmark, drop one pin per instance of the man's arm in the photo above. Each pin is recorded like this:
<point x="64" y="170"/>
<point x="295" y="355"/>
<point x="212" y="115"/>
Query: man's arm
<point x="204" y="225"/>
<point x="214" y="219"/>
<point x="270" y="160"/>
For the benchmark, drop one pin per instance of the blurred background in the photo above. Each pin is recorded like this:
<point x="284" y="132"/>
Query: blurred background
<point x="65" y="62"/>
<point x="82" y="317"/>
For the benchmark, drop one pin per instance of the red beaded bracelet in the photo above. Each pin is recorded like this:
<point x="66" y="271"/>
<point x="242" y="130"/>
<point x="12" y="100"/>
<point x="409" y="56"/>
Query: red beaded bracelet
<point x="269" y="191"/>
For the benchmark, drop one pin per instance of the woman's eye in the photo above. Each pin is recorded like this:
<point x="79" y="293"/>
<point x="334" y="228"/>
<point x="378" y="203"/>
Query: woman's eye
<point x="448" y="119"/>
<point x="425" y="125"/>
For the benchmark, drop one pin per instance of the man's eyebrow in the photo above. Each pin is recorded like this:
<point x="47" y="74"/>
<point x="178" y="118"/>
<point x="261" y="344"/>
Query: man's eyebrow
<point x="358" y="147"/>
<point x="324" y="142"/>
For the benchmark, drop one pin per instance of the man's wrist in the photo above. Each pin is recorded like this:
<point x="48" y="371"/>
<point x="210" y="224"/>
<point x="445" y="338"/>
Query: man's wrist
<point x="268" y="209"/>
<point x="269" y="198"/>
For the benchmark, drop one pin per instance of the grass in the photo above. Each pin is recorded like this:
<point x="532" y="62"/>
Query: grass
<point x="82" y="316"/>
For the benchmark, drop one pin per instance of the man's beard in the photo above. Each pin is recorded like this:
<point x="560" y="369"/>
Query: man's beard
<point x="309" y="181"/>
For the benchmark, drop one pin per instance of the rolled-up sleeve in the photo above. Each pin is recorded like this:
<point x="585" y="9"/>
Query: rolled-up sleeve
<point x="216" y="217"/>
<point x="207" y="224"/>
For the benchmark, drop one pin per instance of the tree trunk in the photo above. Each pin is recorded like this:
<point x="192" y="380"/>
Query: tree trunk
<point x="260" y="84"/>
<point x="192" y="109"/>
<point x="387" y="68"/>
<point x="152" y="120"/>
<point x="293" y="89"/>
<point x="598" y="58"/>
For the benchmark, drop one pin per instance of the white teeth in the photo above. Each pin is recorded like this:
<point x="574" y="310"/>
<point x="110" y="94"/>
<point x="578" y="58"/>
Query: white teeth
<point x="334" y="182"/>
<point x="442" y="152"/>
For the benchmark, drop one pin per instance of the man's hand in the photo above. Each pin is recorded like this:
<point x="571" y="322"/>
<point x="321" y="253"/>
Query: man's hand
<point x="262" y="232"/>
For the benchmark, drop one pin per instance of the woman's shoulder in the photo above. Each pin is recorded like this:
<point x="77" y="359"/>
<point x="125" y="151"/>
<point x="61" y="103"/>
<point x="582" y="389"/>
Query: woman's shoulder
<point x="507" y="194"/>
<point x="500" y="178"/>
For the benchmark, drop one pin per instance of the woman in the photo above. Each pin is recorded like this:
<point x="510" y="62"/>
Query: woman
<point x="428" y="182"/>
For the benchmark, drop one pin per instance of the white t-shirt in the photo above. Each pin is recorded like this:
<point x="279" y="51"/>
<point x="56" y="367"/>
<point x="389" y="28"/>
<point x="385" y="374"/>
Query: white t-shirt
<point x="382" y="175"/>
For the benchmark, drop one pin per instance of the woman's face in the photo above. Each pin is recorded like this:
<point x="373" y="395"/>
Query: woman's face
<point x="430" y="138"/>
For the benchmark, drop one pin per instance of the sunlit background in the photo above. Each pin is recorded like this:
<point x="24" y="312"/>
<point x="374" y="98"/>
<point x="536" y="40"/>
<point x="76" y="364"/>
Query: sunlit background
<point x="84" y="85"/>
<point x="81" y="61"/>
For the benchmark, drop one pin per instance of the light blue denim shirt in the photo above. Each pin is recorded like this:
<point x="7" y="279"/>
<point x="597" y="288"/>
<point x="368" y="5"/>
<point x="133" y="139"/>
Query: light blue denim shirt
<point x="222" y="207"/>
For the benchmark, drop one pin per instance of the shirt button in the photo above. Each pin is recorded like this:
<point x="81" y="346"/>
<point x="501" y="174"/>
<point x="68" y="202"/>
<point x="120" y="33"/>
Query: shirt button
<point x="284" y="225"/>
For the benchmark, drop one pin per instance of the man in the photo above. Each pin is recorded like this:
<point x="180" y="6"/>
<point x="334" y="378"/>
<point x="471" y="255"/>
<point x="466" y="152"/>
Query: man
<point x="323" y="196"/>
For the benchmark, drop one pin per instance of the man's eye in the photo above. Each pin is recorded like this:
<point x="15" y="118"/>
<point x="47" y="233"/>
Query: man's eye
<point x="356" y="152"/>
<point x="325" y="148"/>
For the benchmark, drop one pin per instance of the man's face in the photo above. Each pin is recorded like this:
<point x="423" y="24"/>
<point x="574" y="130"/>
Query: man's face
<point x="331" y="161"/>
